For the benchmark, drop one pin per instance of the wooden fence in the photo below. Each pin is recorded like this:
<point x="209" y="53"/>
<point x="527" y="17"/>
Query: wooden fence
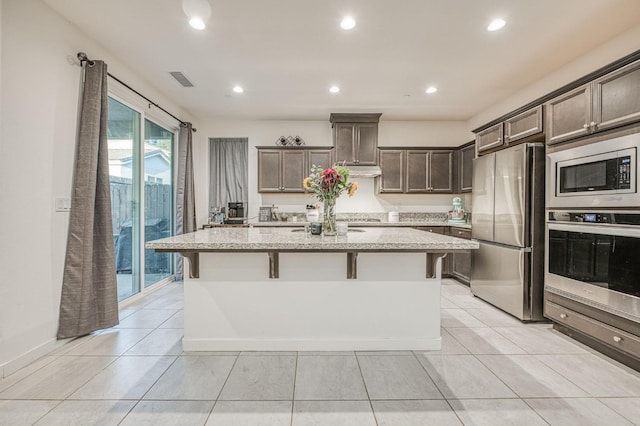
<point x="158" y="201"/>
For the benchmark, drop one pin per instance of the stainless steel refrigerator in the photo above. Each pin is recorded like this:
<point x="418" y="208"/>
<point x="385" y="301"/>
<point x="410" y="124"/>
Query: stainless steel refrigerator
<point x="508" y="221"/>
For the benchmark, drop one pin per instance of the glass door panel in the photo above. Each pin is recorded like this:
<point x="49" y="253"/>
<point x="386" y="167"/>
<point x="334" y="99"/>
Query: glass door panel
<point x="158" y="199"/>
<point x="123" y="134"/>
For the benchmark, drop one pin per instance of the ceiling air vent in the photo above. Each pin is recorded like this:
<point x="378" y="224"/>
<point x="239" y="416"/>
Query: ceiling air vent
<point x="181" y="78"/>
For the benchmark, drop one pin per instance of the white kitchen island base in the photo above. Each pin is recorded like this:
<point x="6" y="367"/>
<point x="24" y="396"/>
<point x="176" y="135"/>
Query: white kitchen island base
<point x="312" y="306"/>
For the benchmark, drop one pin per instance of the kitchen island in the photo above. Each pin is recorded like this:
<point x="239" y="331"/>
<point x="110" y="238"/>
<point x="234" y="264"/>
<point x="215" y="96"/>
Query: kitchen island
<point x="284" y="289"/>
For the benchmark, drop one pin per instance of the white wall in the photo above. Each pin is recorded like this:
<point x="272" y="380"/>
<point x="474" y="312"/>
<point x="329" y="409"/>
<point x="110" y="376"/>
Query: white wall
<point x="609" y="52"/>
<point x="318" y="133"/>
<point x="39" y="102"/>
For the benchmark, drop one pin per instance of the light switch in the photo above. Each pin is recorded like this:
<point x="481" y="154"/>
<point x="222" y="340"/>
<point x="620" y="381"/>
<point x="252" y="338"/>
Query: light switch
<point x="63" y="204"/>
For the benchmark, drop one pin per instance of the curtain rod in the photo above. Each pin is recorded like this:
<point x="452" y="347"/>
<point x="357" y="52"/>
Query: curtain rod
<point x="84" y="58"/>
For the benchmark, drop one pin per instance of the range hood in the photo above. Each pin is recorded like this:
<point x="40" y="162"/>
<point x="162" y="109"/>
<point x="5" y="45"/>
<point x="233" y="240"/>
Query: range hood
<point x="364" y="171"/>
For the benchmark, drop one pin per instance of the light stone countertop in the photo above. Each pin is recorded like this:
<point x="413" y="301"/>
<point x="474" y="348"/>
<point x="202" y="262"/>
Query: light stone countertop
<point x="401" y="224"/>
<point x="286" y="239"/>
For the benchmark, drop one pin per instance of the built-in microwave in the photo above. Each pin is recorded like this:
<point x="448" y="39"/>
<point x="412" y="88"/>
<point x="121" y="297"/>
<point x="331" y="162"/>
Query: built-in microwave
<point x="601" y="174"/>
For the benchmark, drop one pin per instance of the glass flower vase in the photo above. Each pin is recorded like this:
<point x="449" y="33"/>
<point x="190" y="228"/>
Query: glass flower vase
<point x="329" y="217"/>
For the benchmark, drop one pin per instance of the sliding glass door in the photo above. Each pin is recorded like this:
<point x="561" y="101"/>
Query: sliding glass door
<point x="158" y="199"/>
<point x="141" y="176"/>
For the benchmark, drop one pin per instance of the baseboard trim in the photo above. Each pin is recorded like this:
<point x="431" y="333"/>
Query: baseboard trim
<point x="28" y="357"/>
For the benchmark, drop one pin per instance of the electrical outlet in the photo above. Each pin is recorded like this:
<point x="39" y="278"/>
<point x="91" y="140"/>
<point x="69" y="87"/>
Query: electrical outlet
<point x="63" y="204"/>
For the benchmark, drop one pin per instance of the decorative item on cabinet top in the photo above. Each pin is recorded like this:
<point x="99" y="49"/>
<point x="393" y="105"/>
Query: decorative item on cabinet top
<point x="290" y="141"/>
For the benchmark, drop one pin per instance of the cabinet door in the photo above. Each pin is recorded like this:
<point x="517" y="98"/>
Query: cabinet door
<point x="293" y="171"/>
<point x="269" y="171"/>
<point x="461" y="267"/>
<point x="321" y="157"/>
<point x="441" y="176"/>
<point x="467" y="155"/>
<point x="617" y="97"/>
<point x="417" y="172"/>
<point x="569" y="115"/>
<point x="392" y="165"/>
<point x="345" y="134"/>
<point x="490" y="138"/>
<point x="367" y="144"/>
<point x="523" y="125"/>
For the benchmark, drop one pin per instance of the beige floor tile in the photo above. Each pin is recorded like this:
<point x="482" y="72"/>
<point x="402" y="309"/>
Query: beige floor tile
<point x="484" y="341"/>
<point x="540" y="340"/>
<point x="193" y="378"/>
<point x="626" y="407"/>
<point x="491" y="412"/>
<point x="169" y="413"/>
<point x="146" y="318"/>
<point x="176" y="321"/>
<point x="126" y="378"/>
<point x="14" y="378"/>
<point x="495" y="318"/>
<point x="576" y="411"/>
<point x="333" y="413"/>
<point x="529" y="377"/>
<point x="18" y="413"/>
<point x="94" y="413"/>
<point x="327" y="377"/>
<point x="396" y="377"/>
<point x="113" y="341"/>
<point x="261" y="378"/>
<point x="594" y="375"/>
<point x="415" y="412"/>
<point x="251" y="413"/>
<point x="159" y="342"/>
<point x="57" y="380"/>
<point x="463" y="376"/>
<point x="452" y="318"/>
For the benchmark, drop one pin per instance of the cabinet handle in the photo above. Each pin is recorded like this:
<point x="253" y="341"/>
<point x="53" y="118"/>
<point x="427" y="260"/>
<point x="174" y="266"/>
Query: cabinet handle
<point x="617" y="339"/>
<point x="563" y="316"/>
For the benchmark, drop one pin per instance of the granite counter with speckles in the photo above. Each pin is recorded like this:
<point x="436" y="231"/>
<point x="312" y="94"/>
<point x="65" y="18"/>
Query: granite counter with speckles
<point x="295" y="239"/>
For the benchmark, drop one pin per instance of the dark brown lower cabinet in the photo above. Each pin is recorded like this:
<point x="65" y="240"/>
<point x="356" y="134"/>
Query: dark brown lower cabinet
<point x="461" y="262"/>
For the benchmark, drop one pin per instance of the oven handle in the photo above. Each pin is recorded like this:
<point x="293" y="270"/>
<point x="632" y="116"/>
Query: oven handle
<point x="622" y="231"/>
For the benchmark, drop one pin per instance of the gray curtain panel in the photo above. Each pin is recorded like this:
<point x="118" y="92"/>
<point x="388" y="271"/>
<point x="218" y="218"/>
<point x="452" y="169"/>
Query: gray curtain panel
<point x="89" y="299"/>
<point x="185" y="202"/>
<point x="228" y="175"/>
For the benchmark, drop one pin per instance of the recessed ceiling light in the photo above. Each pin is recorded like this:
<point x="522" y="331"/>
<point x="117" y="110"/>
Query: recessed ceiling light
<point x="198" y="12"/>
<point x="347" y="23"/>
<point x="496" y="24"/>
<point x="197" y="23"/>
<point x="431" y="89"/>
<point x="334" y="89"/>
<point x="238" y="89"/>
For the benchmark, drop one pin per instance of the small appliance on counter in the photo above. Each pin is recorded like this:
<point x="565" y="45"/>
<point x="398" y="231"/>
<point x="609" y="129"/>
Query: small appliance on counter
<point x="236" y="213"/>
<point x="216" y="216"/>
<point x="457" y="215"/>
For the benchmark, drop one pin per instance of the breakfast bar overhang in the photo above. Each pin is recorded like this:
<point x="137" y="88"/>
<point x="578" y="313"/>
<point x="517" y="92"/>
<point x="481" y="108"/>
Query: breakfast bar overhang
<point x="275" y="289"/>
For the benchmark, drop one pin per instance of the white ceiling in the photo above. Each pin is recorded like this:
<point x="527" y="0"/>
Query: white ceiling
<point x="287" y="53"/>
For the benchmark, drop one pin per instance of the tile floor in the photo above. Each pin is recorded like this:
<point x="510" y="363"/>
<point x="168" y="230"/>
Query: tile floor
<point x="491" y="370"/>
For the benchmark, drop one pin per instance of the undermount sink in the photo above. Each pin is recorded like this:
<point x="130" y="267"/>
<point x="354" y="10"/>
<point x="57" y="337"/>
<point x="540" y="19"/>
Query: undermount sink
<point x="349" y="230"/>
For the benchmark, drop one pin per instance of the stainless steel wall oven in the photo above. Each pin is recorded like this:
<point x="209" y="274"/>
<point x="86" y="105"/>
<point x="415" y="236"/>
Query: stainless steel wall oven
<point x="592" y="262"/>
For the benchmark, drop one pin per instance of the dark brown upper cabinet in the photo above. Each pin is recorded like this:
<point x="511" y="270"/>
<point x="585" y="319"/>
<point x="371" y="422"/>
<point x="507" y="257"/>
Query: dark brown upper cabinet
<point x="510" y="130"/>
<point x="430" y="171"/>
<point x="466" y="156"/>
<point x="391" y="163"/>
<point x="355" y="138"/>
<point x="523" y="125"/>
<point x="283" y="169"/>
<point x="607" y="102"/>
<point x="490" y="138"/>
